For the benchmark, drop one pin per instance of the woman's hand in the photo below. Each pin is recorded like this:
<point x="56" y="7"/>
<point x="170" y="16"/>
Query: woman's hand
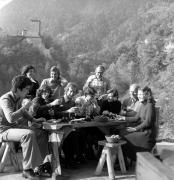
<point x="131" y="129"/>
<point x="51" y="112"/>
<point x="35" y="125"/>
<point x="121" y="118"/>
<point x="39" y="120"/>
<point x="26" y="104"/>
<point x="56" y="102"/>
<point x="73" y="110"/>
<point x="105" y="112"/>
<point x="104" y="96"/>
<point x="123" y="112"/>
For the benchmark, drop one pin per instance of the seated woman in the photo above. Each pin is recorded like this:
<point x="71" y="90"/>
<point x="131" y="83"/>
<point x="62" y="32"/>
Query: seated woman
<point x="67" y="106"/>
<point x="29" y="71"/>
<point x="88" y="106"/>
<point x="111" y="105"/>
<point x="74" y="142"/>
<point x="55" y="82"/>
<point x="141" y="137"/>
<point x="42" y="105"/>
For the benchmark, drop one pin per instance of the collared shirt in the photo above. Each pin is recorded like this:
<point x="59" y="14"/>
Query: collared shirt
<point x="56" y="86"/>
<point x="129" y="104"/>
<point x="10" y="111"/>
<point x="100" y="85"/>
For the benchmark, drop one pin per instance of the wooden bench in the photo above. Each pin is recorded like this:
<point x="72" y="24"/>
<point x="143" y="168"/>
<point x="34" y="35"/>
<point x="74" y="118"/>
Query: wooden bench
<point x="7" y="151"/>
<point x="109" y="154"/>
<point x="150" y="168"/>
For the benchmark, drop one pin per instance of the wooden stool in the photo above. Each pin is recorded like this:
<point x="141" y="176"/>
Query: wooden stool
<point x="7" y="150"/>
<point x="109" y="154"/>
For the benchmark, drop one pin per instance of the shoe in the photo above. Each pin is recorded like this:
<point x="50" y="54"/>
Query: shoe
<point x="29" y="174"/>
<point x="44" y="170"/>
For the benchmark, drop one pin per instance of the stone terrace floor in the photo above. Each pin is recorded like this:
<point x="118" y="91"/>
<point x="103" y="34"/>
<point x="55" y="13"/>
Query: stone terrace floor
<point x="83" y="172"/>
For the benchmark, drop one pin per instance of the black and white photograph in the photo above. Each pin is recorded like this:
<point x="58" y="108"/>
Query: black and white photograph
<point x="86" y="89"/>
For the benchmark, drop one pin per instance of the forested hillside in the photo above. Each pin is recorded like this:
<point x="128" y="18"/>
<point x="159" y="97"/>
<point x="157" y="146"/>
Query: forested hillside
<point x="134" y="39"/>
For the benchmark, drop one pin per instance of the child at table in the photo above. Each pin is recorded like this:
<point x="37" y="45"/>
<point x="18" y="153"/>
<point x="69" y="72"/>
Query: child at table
<point x="88" y="106"/>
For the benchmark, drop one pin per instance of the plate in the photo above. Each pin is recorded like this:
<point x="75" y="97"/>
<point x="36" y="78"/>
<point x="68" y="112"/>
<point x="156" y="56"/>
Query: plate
<point x="54" y="120"/>
<point x="80" y="120"/>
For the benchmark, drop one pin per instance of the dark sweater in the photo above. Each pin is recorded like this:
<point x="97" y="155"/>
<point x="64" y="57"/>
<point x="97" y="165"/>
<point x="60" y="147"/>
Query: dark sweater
<point x="143" y="139"/>
<point x="39" y="108"/>
<point x="32" y="92"/>
<point x="60" y="110"/>
<point x="114" y="106"/>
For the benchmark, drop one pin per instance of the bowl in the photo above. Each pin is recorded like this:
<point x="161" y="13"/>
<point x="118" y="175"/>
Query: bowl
<point x="101" y="119"/>
<point x="112" y="139"/>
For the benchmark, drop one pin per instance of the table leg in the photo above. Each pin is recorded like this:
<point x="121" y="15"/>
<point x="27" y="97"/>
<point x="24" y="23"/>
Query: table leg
<point x="56" y="161"/>
<point x="114" y="152"/>
<point x="121" y="160"/>
<point x="109" y="161"/>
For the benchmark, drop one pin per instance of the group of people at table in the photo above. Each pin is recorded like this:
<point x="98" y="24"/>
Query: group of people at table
<point x="28" y="104"/>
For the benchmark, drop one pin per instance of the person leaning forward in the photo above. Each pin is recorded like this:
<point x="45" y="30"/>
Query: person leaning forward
<point x="12" y="116"/>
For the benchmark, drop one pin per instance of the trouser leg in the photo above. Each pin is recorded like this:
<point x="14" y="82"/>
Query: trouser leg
<point x="30" y="149"/>
<point x="42" y="141"/>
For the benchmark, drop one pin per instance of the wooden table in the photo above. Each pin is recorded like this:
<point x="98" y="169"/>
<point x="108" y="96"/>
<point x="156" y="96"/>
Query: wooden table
<point x="59" y="131"/>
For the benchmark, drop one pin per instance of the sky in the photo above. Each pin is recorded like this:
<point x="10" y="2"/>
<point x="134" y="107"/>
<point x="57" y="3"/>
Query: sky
<point x="3" y="3"/>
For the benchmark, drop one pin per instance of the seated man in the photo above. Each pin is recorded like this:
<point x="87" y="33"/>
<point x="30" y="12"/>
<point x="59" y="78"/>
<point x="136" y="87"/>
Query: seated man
<point x="11" y="124"/>
<point x="99" y="83"/>
<point x="56" y="82"/>
<point x="131" y="105"/>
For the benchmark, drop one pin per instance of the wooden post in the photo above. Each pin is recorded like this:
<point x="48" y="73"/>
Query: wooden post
<point x="56" y="161"/>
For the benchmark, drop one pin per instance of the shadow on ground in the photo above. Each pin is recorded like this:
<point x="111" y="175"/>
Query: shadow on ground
<point x="83" y="172"/>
